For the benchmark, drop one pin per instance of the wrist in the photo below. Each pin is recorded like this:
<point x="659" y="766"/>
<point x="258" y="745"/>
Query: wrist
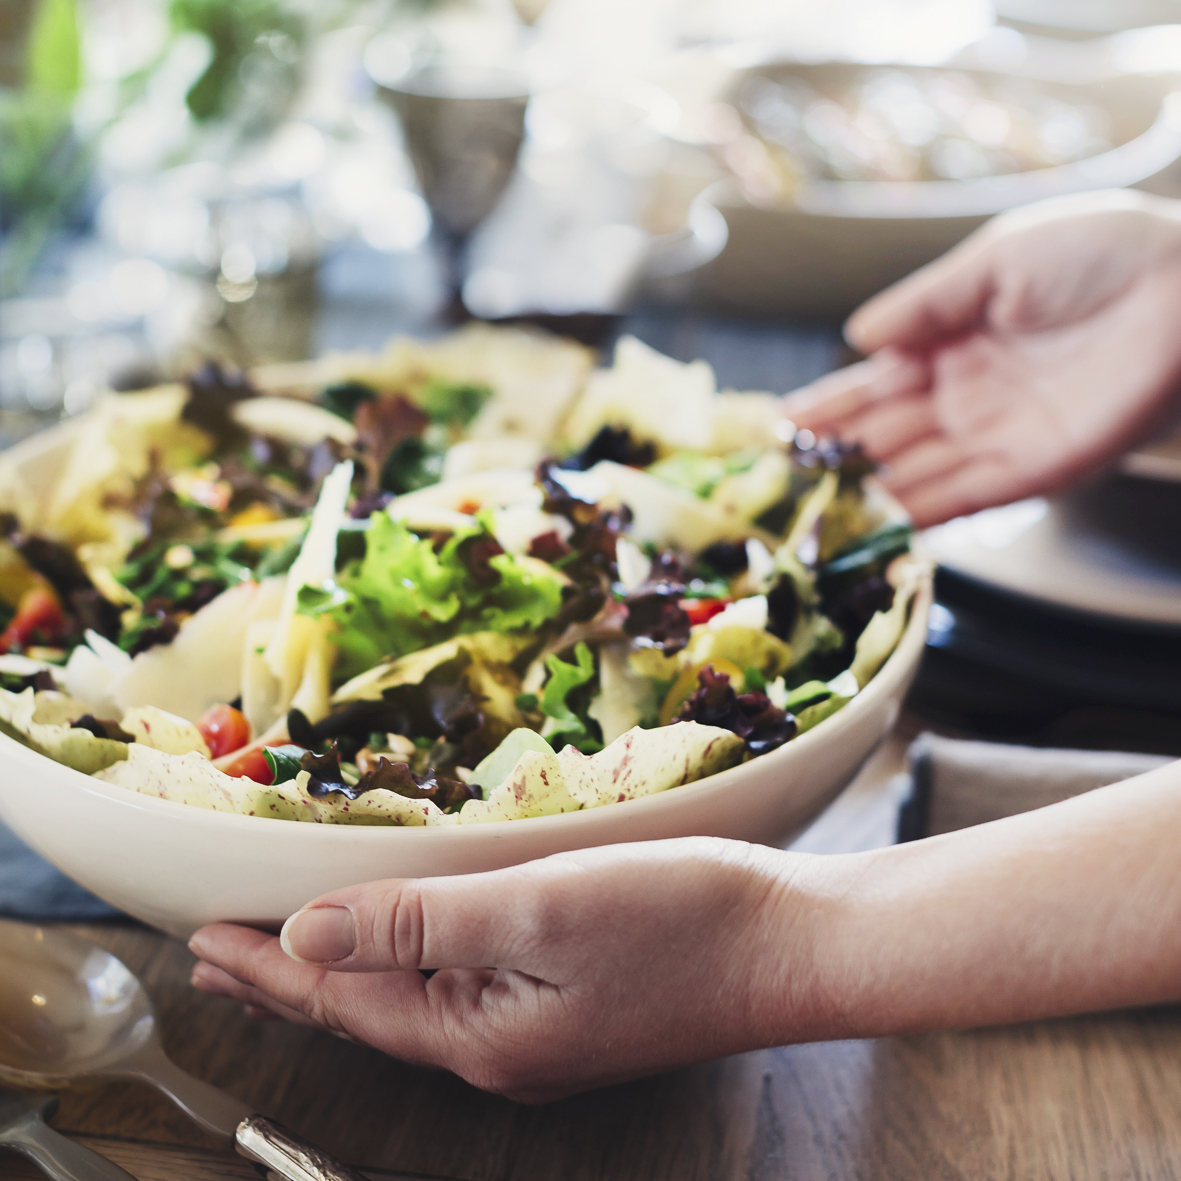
<point x="811" y="949"/>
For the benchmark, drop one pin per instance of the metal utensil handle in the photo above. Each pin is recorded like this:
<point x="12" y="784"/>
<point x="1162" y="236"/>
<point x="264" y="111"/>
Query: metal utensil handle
<point x="267" y="1143"/>
<point x="213" y="1111"/>
<point x="57" y="1156"/>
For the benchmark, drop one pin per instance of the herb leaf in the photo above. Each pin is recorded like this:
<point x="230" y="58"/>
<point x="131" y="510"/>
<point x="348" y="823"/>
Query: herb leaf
<point x="283" y="762"/>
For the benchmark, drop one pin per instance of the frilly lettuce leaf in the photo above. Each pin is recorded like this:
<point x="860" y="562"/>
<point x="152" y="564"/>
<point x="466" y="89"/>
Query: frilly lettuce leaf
<point x="163" y="731"/>
<point x="563" y="725"/>
<point x="42" y="721"/>
<point x="191" y="779"/>
<point x="402" y="596"/>
<point x="535" y="787"/>
<point x="639" y="763"/>
<point x="538" y="782"/>
<point x="495" y="768"/>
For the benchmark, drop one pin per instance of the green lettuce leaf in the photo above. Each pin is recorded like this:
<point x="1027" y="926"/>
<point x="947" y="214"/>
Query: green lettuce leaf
<point x="564" y="726"/>
<point x="455" y="402"/>
<point x="701" y="474"/>
<point x="402" y="596"/>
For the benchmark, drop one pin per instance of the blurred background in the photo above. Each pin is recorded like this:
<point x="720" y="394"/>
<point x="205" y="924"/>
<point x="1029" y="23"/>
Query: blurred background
<point x="263" y="180"/>
<point x="266" y="180"/>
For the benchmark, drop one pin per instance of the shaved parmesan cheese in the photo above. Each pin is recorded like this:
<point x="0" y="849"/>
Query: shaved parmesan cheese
<point x="634" y="566"/>
<point x="482" y="455"/>
<point x="203" y="665"/>
<point x="751" y="612"/>
<point x="666" y="515"/>
<point x="315" y="685"/>
<point x="742" y="421"/>
<point x="517" y="525"/>
<point x="303" y="423"/>
<point x="495" y="488"/>
<point x="316" y="562"/>
<point x="92" y="673"/>
<point x="658" y="399"/>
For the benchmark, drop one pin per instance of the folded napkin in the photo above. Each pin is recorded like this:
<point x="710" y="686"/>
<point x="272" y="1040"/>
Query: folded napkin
<point x="30" y="888"/>
<point x="955" y="784"/>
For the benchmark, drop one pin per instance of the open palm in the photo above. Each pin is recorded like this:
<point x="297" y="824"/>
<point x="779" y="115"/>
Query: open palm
<point x="1029" y="357"/>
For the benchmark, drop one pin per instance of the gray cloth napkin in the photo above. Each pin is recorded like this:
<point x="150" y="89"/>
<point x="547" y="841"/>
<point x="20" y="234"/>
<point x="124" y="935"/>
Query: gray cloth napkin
<point x="955" y="783"/>
<point x="30" y="888"/>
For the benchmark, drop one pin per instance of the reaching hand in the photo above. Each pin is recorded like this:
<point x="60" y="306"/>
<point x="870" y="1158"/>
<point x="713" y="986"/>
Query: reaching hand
<point x="1027" y="358"/>
<point x="604" y="965"/>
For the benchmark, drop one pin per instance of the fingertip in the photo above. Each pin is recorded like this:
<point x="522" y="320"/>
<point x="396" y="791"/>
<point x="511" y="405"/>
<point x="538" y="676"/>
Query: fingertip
<point x="285" y="938"/>
<point x="856" y="332"/>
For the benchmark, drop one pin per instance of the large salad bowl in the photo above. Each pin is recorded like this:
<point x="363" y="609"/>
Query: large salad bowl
<point x="177" y="867"/>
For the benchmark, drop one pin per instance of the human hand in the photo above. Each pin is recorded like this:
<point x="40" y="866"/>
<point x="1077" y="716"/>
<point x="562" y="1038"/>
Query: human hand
<point x="1030" y="356"/>
<point x="603" y="965"/>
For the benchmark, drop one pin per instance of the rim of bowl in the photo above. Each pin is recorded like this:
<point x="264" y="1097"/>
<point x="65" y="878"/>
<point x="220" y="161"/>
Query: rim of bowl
<point x="895" y="670"/>
<point x="1146" y="155"/>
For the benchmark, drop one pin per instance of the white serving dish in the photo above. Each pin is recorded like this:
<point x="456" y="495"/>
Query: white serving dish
<point x="841" y="242"/>
<point x="178" y="867"/>
<point x="1109" y="550"/>
<point x="1086" y="18"/>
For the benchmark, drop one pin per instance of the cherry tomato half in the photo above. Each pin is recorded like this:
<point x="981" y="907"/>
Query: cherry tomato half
<point x="703" y="610"/>
<point x="224" y="729"/>
<point x="252" y="764"/>
<point x="38" y="616"/>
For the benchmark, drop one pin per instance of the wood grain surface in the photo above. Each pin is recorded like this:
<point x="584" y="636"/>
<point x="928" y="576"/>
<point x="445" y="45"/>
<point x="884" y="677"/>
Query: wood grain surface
<point x="1089" y="1097"/>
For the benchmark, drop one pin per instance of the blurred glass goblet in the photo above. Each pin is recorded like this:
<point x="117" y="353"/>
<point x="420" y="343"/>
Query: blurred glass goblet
<point x="463" y="128"/>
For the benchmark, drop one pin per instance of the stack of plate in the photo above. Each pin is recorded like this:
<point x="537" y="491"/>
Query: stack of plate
<point x="1060" y="621"/>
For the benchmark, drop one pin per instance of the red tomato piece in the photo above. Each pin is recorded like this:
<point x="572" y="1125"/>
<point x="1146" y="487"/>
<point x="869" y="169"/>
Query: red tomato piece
<point x="224" y="729"/>
<point x="39" y="615"/>
<point x="703" y="610"/>
<point x="252" y="764"/>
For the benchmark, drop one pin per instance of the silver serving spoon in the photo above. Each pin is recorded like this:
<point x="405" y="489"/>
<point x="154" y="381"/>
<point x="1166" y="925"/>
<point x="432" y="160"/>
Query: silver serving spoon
<point x="71" y="1014"/>
<point x="23" y="1129"/>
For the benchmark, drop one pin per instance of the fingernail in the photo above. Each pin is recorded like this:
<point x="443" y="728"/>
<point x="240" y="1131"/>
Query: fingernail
<point x="321" y="935"/>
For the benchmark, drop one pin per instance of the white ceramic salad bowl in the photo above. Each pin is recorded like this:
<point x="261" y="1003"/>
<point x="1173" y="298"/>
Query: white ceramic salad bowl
<point x="178" y="867"/>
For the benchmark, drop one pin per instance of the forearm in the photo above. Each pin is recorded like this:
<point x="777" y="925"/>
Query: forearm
<point x="1068" y="909"/>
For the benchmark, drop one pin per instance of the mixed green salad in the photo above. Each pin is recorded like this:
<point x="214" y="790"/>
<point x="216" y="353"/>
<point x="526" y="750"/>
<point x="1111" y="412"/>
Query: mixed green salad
<point x="464" y="581"/>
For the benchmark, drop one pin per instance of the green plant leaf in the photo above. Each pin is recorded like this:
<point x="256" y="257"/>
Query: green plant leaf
<point x="53" y="57"/>
<point x="565" y="727"/>
<point x="283" y="762"/>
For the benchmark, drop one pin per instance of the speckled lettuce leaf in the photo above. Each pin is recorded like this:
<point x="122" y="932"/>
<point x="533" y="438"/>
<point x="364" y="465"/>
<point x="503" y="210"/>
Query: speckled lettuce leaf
<point x="639" y="763"/>
<point x="42" y="721"/>
<point x="535" y="787"/>
<point x="644" y="762"/>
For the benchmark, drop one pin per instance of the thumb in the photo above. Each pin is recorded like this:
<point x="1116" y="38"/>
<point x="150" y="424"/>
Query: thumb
<point x="941" y="300"/>
<point x="473" y="921"/>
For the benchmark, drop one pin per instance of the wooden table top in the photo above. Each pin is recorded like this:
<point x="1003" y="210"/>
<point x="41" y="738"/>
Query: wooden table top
<point x="1088" y="1097"/>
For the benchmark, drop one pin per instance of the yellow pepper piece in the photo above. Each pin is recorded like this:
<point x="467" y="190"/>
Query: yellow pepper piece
<point x="255" y="514"/>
